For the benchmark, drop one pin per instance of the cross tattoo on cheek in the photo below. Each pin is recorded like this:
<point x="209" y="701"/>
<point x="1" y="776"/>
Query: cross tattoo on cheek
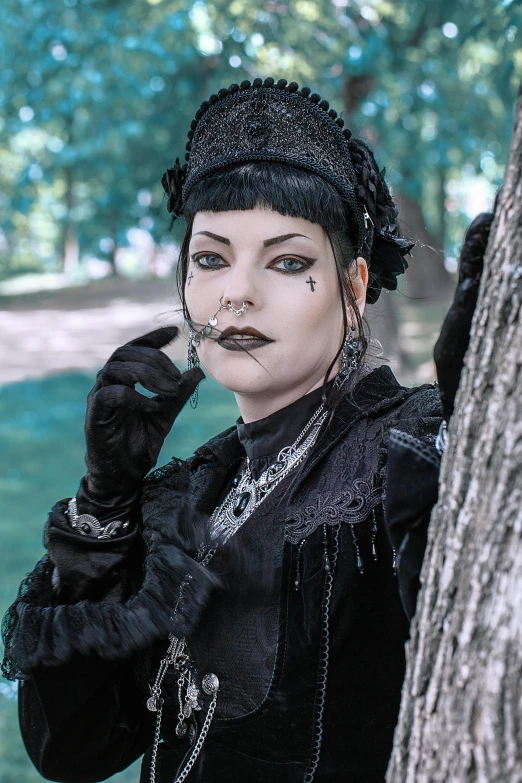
<point x="311" y="283"/>
<point x="190" y="278"/>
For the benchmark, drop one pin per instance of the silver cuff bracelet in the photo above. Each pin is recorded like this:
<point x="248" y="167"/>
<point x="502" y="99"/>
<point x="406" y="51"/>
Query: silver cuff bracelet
<point x="87" y="525"/>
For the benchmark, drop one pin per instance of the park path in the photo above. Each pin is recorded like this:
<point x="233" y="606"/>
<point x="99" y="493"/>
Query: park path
<point x="78" y="328"/>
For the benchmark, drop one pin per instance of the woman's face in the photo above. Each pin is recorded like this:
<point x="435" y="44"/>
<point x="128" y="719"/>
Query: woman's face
<point x="283" y="268"/>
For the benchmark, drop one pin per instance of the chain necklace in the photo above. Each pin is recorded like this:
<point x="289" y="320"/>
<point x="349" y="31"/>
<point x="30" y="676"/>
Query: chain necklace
<point x="246" y="495"/>
<point x="248" y="492"/>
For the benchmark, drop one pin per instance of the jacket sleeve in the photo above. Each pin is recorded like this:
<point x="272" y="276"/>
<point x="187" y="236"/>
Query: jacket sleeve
<point x="412" y="482"/>
<point x="73" y="641"/>
<point x="85" y="720"/>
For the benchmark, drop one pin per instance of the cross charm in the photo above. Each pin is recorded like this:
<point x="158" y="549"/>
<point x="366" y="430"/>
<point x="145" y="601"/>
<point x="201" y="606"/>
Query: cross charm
<point x="311" y="283"/>
<point x="190" y="278"/>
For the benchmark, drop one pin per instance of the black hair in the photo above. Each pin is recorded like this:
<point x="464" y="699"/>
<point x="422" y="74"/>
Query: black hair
<point x="289" y="191"/>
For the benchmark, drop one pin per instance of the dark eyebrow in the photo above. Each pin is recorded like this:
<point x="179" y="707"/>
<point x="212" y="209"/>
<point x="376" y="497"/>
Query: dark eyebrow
<point x="282" y="238"/>
<point x="213" y="236"/>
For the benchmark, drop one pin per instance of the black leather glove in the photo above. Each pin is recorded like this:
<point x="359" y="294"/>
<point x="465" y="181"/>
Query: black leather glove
<point x="124" y="429"/>
<point x="453" y="340"/>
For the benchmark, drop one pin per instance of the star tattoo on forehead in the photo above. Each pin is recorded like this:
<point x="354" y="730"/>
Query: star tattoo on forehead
<point x="311" y="283"/>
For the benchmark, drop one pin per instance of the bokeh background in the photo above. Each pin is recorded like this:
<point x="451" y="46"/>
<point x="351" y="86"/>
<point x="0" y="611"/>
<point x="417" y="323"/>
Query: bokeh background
<point x="96" y="97"/>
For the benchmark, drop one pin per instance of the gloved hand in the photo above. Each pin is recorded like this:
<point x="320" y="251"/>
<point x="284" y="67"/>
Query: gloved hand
<point x="124" y="429"/>
<point x="453" y="340"/>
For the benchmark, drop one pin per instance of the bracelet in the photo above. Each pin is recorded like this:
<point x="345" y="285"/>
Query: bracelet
<point x="87" y="525"/>
<point x="441" y="441"/>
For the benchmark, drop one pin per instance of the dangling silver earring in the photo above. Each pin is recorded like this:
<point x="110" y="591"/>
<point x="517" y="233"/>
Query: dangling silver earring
<point x="350" y="355"/>
<point x="193" y="361"/>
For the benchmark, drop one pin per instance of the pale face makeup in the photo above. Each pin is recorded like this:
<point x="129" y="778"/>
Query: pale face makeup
<point x="283" y="268"/>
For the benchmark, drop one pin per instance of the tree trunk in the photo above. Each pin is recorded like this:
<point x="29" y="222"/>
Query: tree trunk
<point x="461" y="708"/>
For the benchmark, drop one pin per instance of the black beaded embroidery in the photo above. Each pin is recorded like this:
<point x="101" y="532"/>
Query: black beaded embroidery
<point x="264" y="121"/>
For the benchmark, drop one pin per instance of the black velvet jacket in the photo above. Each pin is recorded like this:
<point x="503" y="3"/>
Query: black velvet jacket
<point x="309" y="652"/>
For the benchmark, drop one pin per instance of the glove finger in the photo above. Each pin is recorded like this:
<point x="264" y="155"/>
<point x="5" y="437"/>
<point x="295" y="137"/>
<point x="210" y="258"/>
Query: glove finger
<point x="187" y="386"/>
<point x="159" y="338"/>
<point x="120" y="398"/>
<point x="471" y="262"/>
<point x="130" y="373"/>
<point x="149" y="356"/>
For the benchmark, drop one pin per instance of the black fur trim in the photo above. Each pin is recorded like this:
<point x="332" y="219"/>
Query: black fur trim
<point x="43" y="634"/>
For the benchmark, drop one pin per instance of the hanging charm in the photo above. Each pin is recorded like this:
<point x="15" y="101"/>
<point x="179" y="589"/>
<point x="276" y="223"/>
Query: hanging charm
<point x="374" y="535"/>
<point x="193" y="361"/>
<point x="359" y="560"/>
<point x="350" y="355"/>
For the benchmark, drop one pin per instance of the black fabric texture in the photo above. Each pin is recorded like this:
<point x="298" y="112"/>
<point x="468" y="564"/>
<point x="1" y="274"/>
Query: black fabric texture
<point x="124" y="429"/>
<point x="412" y="490"/>
<point x="330" y="512"/>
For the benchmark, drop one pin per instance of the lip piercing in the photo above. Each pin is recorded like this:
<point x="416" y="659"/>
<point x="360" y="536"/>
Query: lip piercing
<point x="232" y="309"/>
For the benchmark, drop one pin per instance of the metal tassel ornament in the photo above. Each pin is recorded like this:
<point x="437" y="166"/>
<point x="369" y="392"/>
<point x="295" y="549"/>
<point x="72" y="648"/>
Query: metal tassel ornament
<point x="193" y="361"/>
<point x="350" y="355"/>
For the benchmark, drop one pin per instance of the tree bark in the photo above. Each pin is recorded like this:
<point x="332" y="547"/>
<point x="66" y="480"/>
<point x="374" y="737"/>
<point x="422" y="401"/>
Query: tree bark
<point x="461" y="710"/>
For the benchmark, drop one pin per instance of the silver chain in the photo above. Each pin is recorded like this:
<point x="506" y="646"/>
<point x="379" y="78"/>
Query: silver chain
<point x="224" y="523"/>
<point x="229" y="517"/>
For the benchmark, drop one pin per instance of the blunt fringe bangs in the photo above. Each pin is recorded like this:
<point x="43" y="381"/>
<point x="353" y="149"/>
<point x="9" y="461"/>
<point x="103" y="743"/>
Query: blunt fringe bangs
<point x="290" y="191"/>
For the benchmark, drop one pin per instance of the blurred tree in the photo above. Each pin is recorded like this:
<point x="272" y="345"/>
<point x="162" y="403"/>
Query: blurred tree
<point x="97" y="96"/>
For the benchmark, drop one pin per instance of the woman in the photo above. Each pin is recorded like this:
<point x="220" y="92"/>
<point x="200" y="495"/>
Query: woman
<point x="238" y="616"/>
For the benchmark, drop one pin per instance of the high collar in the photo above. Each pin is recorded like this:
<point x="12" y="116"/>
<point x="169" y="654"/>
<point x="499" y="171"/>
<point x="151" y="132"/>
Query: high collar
<point x="375" y="393"/>
<point x="266" y="437"/>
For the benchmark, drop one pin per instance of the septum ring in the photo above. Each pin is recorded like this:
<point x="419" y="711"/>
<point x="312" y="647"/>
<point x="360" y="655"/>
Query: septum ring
<point x="232" y="309"/>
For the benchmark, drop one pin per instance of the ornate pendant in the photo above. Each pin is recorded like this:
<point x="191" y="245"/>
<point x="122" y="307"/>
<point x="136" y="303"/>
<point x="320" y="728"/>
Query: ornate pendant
<point x="241" y="504"/>
<point x="154" y="703"/>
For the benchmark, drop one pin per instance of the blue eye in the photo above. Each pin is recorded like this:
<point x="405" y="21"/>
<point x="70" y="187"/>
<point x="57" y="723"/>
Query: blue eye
<point x="209" y="261"/>
<point x="290" y="265"/>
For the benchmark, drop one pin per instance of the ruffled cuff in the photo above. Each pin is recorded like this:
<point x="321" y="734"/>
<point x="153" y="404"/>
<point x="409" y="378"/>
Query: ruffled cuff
<point x="38" y="631"/>
<point x="84" y="567"/>
<point x="412" y="485"/>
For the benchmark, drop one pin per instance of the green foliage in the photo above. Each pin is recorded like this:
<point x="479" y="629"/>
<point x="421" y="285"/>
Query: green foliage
<point x="97" y="97"/>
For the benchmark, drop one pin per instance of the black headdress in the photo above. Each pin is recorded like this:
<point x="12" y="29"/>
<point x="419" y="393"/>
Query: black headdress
<point x="269" y="121"/>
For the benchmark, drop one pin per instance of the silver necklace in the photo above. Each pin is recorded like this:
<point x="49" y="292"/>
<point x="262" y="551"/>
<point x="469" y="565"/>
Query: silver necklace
<point x="249" y="493"/>
<point x="238" y="506"/>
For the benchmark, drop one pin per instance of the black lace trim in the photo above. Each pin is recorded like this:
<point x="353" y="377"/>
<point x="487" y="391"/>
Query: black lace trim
<point x="351" y="506"/>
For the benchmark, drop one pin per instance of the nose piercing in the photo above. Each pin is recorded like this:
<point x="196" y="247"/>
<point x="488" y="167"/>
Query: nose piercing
<point x="195" y="337"/>
<point x="232" y="309"/>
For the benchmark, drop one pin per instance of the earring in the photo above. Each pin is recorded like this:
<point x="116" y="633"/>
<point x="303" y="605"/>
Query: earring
<point x="193" y="361"/>
<point x="349" y="359"/>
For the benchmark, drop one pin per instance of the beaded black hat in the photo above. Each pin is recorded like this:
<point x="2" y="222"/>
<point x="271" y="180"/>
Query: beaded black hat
<point x="277" y="121"/>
